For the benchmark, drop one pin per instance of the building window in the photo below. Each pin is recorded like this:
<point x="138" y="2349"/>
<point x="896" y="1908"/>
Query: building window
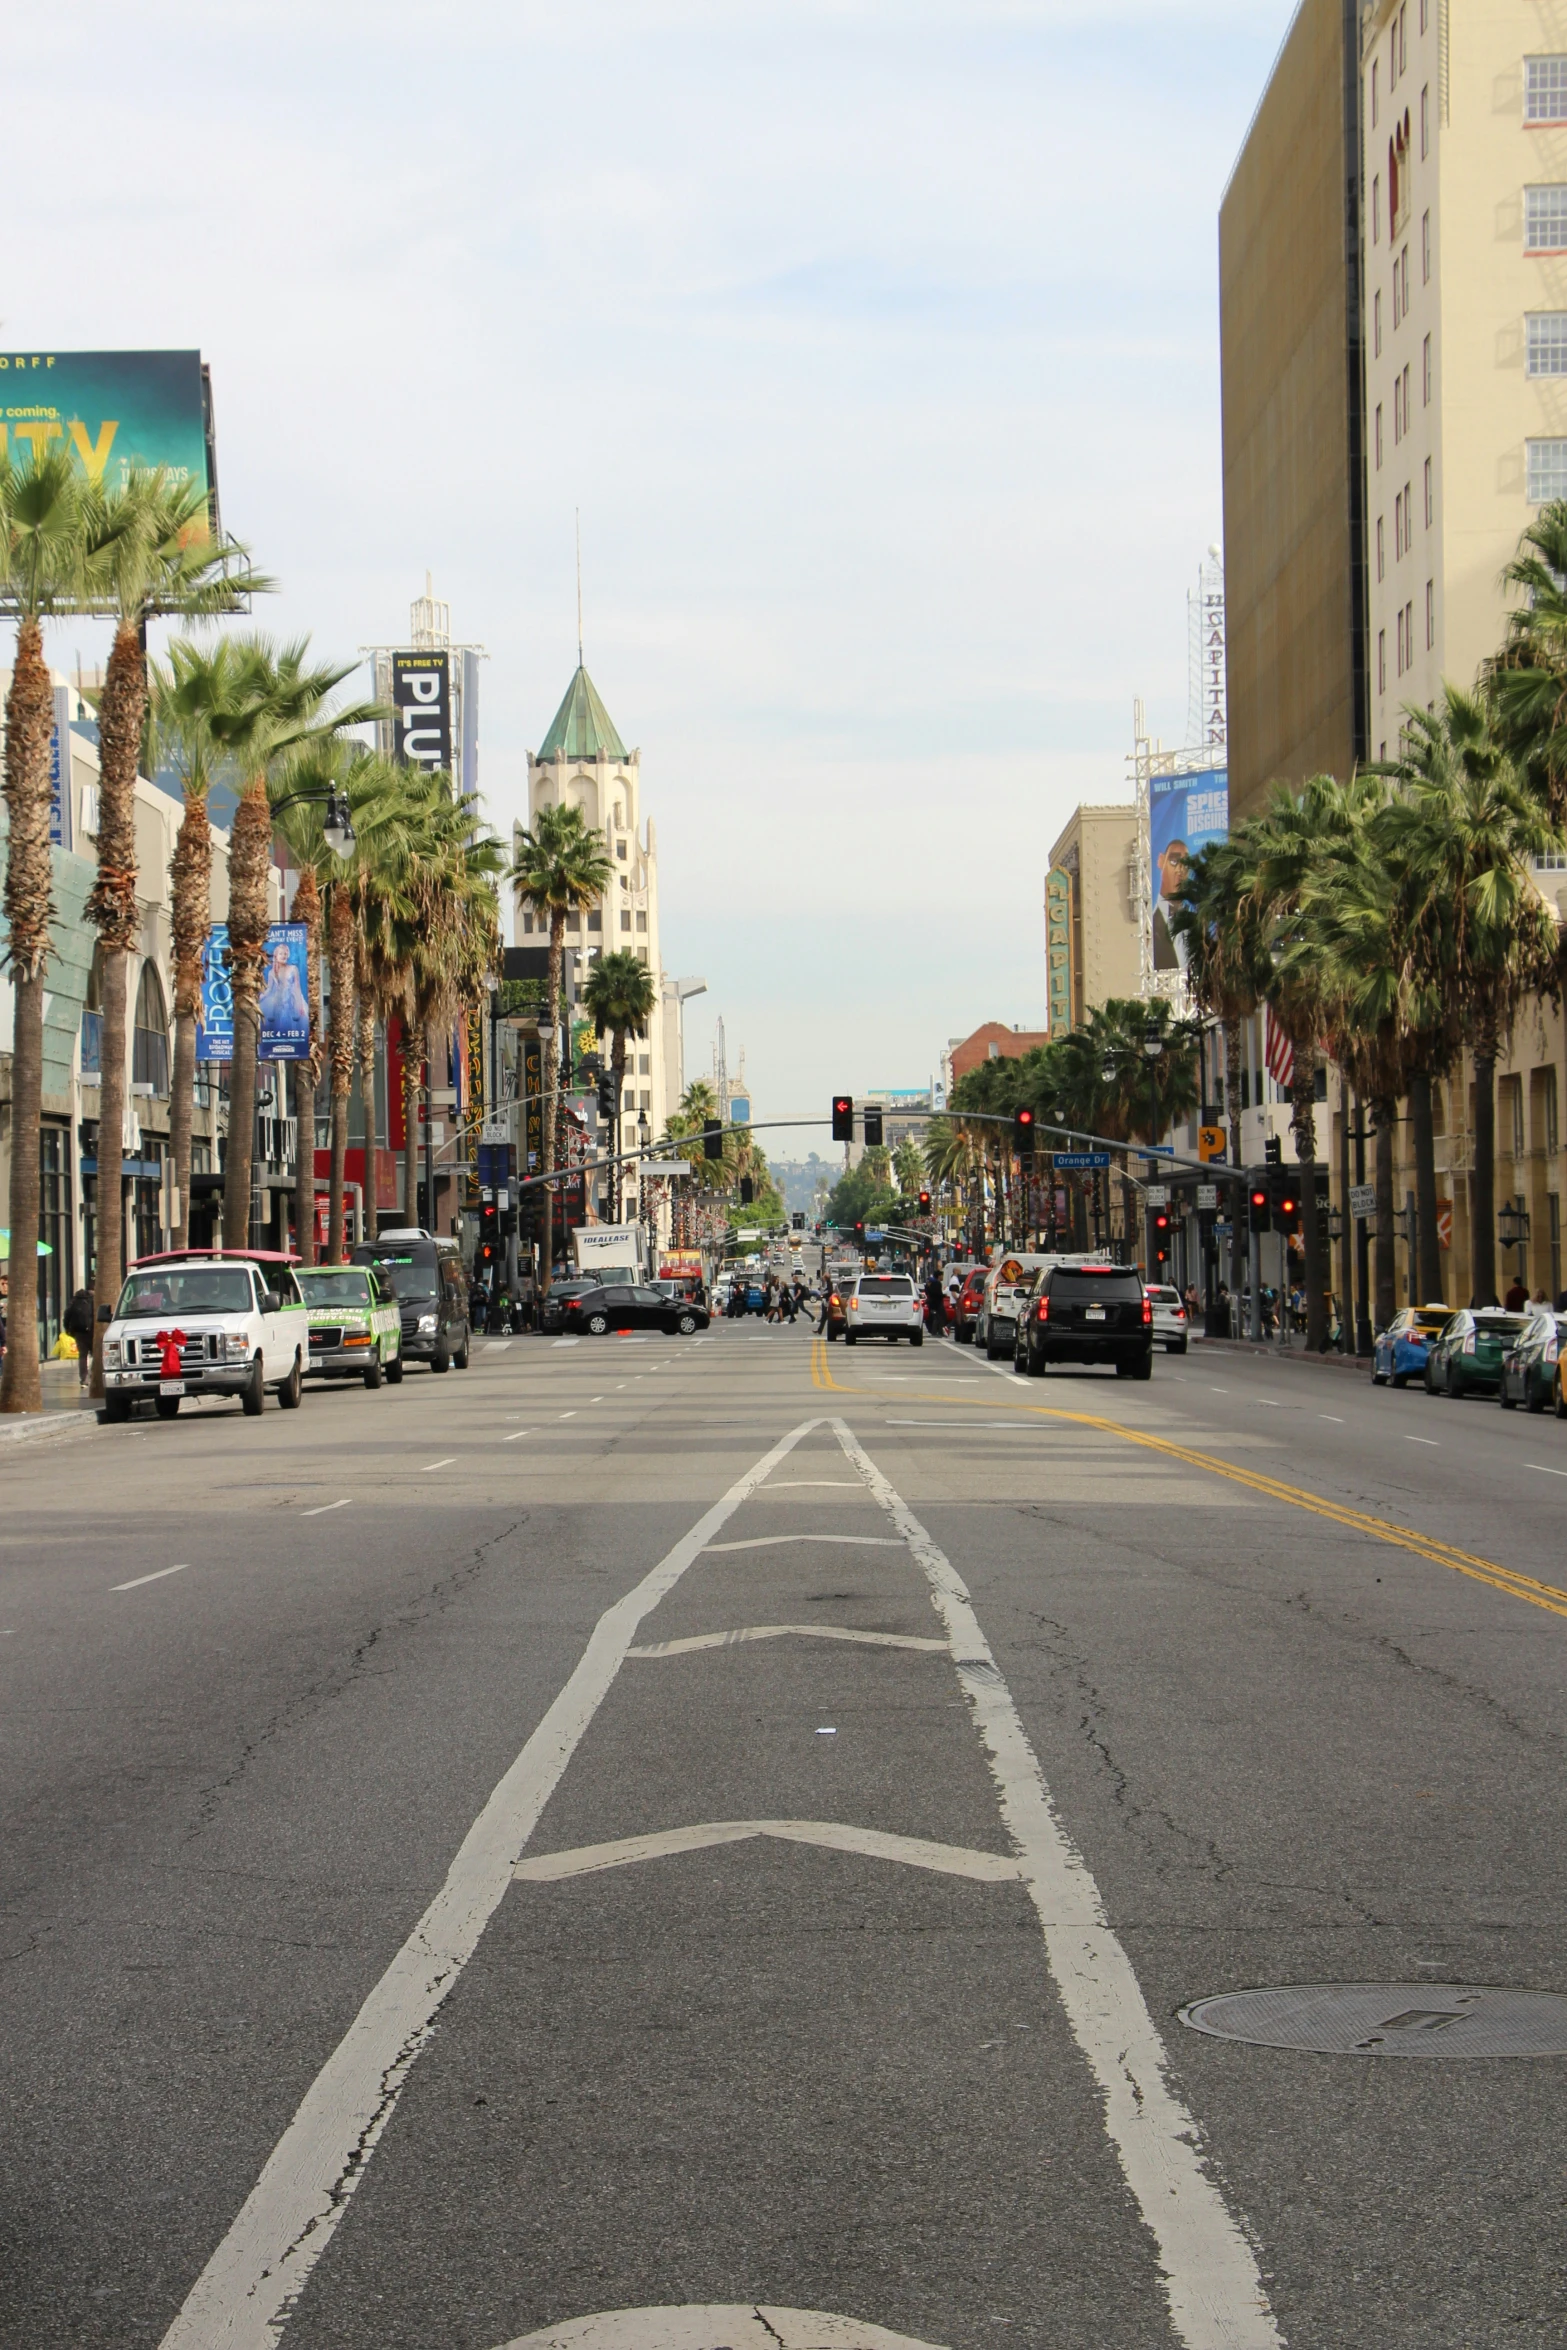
<point x="1545" y="89"/>
<point x="1547" y="471"/>
<point x="1425" y="373"/>
<point x="630" y="1101"/>
<point x="1397" y="313"/>
<point x="1428" y="493"/>
<point x="646" y="1102"/>
<point x="1547" y="342"/>
<point x="150" y="1045"/>
<point x="1425" y="123"/>
<point x="1408" y="409"/>
<point x="1398" y="525"/>
<point x="1398" y="409"/>
<point x="1425" y="248"/>
<point x="1381" y="564"/>
<point x="1376" y="208"/>
<point x="1401" y="641"/>
<point x="620" y="850"/>
<point x="1409" y="631"/>
<point x="625" y="917"/>
<point x="644" y="1064"/>
<point x="1545" y="219"/>
<point x="1425" y="9"/>
<point x="641" y="919"/>
<point x="1376" y="94"/>
<point x="1376" y="320"/>
<point x="1548" y="1105"/>
<point x="1403" y="271"/>
<point x="1430" y="615"/>
<point x="595" y="918"/>
<point x="1379" y="433"/>
<point x="1382" y="674"/>
<point x="527" y="924"/>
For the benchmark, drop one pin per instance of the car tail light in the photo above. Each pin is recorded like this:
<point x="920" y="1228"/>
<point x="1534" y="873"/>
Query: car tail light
<point x="1179" y="1312"/>
<point x="1043" y="1314"/>
<point x="1147" y="1313"/>
<point x="1469" y="1344"/>
<point x="1551" y="1350"/>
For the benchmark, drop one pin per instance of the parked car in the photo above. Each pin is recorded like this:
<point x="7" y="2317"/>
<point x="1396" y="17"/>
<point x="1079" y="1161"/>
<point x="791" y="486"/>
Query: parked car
<point x="1007" y="1285"/>
<point x="1531" y="1366"/>
<point x="1466" y="1359"/>
<point x="965" y="1311"/>
<point x="1169" y="1318"/>
<point x="885" y="1305"/>
<point x="1086" y="1314"/>
<point x="597" y="1311"/>
<point x="1399" y="1352"/>
<point x="356" y="1324"/>
<point x="205" y="1322"/>
<point x="427" y="1278"/>
<point x="837" y="1309"/>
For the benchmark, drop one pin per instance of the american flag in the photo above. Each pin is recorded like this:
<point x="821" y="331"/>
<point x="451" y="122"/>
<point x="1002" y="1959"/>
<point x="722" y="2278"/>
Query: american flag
<point x="1278" y="1052"/>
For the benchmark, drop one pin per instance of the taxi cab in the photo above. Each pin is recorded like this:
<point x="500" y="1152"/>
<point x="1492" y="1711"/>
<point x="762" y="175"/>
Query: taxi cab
<point x="1399" y="1354"/>
<point x="355" y="1324"/>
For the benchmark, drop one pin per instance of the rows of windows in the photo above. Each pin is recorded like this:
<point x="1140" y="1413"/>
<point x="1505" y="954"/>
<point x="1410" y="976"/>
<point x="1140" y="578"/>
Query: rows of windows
<point x="628" y="921"/>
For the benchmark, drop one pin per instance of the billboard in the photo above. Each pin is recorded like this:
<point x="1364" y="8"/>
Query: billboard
<point x="1185" y="813"/>
<point x="114" y="408"/>
<point x="422" y="699"/>
<point x="285" y="1002"/>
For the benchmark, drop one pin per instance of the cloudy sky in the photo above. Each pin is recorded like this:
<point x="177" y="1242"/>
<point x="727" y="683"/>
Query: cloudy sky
<point x="875" y="339"/>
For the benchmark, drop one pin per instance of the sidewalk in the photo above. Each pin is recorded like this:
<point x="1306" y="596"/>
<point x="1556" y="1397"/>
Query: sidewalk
<point x="1227" y="1349"/>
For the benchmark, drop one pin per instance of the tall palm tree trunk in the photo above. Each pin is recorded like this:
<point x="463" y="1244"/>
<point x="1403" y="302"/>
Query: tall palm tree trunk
<point x="340" y="1048"/>
<point x="1423" y="1130"/>
<point x="1303" y="1118"/>
<point x="29" y="907"/>
<point x="410" y="1081"/>
<point x="1238" y="1218"/>
<point x="307" y="909"/>
<point x="248" y="847"/>
<point x="113" y="911"/>
<point x="617" y="1062"/>
<point x="1482" y="1182"/>
<point x="1385" y="1111"/>
<point x="190" y="876"/>
<point x="366" y="1031"/>
<point x="549" y="1067"/>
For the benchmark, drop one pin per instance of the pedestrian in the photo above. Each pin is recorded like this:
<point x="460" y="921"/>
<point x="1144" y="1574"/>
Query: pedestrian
<point x="935" y="1305"/>
<point x="500" y="1311"/>
<point x="1222" y="1310"/>
<point x="1517" y="1297"/>
<point x="79" y="1323"/>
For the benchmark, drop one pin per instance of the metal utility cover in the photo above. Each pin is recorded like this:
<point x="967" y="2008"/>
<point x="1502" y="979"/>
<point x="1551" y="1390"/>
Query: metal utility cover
<point x="1389" y="2019"/>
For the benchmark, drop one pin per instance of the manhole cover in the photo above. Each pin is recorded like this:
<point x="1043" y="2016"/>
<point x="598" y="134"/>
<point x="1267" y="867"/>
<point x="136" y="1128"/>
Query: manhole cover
<point x="716" y="2326"/>
<point x="1389" y="2019"/>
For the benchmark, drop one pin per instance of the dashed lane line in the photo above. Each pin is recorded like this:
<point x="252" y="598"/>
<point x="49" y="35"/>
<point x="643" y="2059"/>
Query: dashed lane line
<point x="321" y="1509"/>
<point x="137" y="1581"/>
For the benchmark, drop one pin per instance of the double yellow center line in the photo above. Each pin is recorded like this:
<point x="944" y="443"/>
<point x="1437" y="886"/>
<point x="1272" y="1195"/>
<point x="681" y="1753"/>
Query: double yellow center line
<point x="1427" y="1546"/>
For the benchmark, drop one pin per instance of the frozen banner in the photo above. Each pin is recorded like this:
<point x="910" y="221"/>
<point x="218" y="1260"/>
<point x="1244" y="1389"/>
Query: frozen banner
<point x="285" y="1003"/>
<point x="1185" y="813"/>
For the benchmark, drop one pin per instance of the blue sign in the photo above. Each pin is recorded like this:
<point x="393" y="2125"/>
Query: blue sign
<point x="285" y="1003"/>
<point x="60" y="771"/>
<point x="1185" y="813"/>
<point x="1080" y="1159"/>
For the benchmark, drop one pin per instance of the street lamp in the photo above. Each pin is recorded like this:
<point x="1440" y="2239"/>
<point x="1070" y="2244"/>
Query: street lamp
<point x="337" y="825"/>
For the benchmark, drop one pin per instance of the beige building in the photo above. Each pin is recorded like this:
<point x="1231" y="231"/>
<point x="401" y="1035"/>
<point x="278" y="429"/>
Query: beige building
<point x="1290" y="372"/>
<point x="582" y="760"/>
<point x="1091" y="914"/>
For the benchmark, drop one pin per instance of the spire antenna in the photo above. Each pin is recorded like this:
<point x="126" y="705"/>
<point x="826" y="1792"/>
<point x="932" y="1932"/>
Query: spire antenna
<point x="579" y="587"/>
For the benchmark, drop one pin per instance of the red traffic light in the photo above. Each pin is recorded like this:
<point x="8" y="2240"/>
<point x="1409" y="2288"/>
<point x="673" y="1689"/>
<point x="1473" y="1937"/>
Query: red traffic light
<point x="1025" y="1117"/>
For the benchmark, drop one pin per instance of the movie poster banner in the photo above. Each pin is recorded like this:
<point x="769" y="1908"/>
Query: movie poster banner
<point x="422" y="699"/>
<point x="285" y="1003"/>
<point x="1185" y="813"/>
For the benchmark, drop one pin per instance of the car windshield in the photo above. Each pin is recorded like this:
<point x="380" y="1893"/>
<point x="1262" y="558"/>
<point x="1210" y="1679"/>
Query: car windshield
<point x="198" y="1289"/>
<point x="886" y="1285"/>
<point x="1500" y="1325"/>
<point x="414" y="1283"/>
<point x="335" y="1285"/>
<point x="1094" y="1281"/>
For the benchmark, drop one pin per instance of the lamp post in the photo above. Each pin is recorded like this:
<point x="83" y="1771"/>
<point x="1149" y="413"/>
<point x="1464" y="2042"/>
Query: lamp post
<point x="1153" y="1050"/>
<point x="337" y="828"/>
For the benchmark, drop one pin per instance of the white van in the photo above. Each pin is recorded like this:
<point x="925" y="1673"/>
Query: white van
<point x="1008" y="1282"/>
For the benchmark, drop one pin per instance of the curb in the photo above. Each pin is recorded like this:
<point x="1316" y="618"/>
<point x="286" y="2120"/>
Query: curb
<point x="31" y="1424"/>
<point x="1283" y="1358"/>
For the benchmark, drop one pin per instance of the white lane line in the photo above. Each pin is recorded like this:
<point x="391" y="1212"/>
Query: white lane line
<point x="446" y="1464"/>
<point x="137" y="1581"/>
<point x="1335" y="1417"/>
<point x="1420" y="1440"/>
<point x="243" y="2296"/>
<point x="798" y="1484"/>
<point x="497" y="1346"/>
<point x="948" y="1860"/>
<point x="698" y="1640"/>
<point x="771" y="1541"/>
<point x="1544" y="1471"/>
<point x="321" y="1510"/>
<point x="1211" y="2279"/>
<point x="565" y="1415"/>
<point x="515" y="1434"/>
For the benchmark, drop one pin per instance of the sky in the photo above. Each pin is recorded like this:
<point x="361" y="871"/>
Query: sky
<point x="875" y="340"/>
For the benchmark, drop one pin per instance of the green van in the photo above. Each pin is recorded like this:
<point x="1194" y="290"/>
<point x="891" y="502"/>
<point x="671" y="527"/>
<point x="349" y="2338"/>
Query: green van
<point x="355" y="1326"/>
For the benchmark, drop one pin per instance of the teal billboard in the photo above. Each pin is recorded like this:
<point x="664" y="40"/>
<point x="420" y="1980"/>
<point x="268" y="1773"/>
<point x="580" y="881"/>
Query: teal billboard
<point x="114" y="408"/>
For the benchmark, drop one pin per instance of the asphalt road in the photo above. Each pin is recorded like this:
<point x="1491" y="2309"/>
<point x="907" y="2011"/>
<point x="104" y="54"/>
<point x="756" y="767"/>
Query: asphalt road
<point x="858" y="2013"/>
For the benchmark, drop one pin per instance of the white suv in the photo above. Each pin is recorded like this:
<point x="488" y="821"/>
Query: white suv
<point x="884" y="1305"/>
<point x="206" y="1322"/>
<point x="1169" y="1317"/>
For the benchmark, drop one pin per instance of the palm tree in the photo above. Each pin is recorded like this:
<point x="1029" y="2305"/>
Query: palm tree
<point x="1526" y="682"/>
<point x="1219" y="917"/>
<point x="1468" y="828"/>
<point x="448" y="888"/>
<point x="620" y="998"/>
<point x="43" y="544"/>
<point x="561" y="868"/>
<point x="150" y="548"/>
<point x="285" y="711"/>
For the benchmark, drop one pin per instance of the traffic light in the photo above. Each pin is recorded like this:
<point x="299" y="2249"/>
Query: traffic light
<point x="1273" y="1151"/>
<point x="1161" y="1233"/>
<point x="1257" y="1207"/>
<point x="712" y="1138"/>
<point x="1283" y="1199"/>
<point x="747" y="1191"/>
<point x="1023" y="1133"/>
<point x="924" y="1203"/>
<point x="797" y="1221"/>
<point x="606" y="1094"/>
<point x="872" y="1119"/>
<point x="843" y="1117"/>
<point x="859" y="1231"/>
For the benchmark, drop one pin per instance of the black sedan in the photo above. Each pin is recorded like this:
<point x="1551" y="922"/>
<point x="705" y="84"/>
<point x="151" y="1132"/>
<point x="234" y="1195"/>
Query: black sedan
<point x="599" y="1311"/>
<point x="1531" y="1366"/>
<point x="552" y="1313"/>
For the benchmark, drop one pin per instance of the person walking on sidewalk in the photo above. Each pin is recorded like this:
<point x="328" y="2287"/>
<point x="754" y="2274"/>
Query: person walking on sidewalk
<point x="78" y="1324"/>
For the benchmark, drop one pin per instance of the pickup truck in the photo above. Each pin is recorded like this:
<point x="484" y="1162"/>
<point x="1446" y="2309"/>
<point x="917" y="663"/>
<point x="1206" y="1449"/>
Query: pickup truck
<point x="205" y="1322"/>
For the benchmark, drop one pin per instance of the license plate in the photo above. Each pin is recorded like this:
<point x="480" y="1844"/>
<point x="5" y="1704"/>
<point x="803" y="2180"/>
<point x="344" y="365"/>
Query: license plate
<point x="171" y="1386"/>
<point x="1093" y="1313"/>
<point x="315" y="1362"/>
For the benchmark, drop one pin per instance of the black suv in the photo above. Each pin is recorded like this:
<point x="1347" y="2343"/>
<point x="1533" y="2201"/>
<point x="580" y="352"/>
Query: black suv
<point x="1086" y="1314"/>
<point x="432" y="1294"/>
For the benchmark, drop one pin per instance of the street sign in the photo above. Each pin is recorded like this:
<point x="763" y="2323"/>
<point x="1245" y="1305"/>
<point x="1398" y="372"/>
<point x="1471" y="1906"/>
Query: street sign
<point x="1362" y="1199"/>
<point x="1158" y="1195"/>
<point x="665" y="1167"/>
<point x="490" y="1131"/>
<point x="1211" y="1143"/>
<point x="1207" y="1195"/>
<point x="1080" y="1159"/>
